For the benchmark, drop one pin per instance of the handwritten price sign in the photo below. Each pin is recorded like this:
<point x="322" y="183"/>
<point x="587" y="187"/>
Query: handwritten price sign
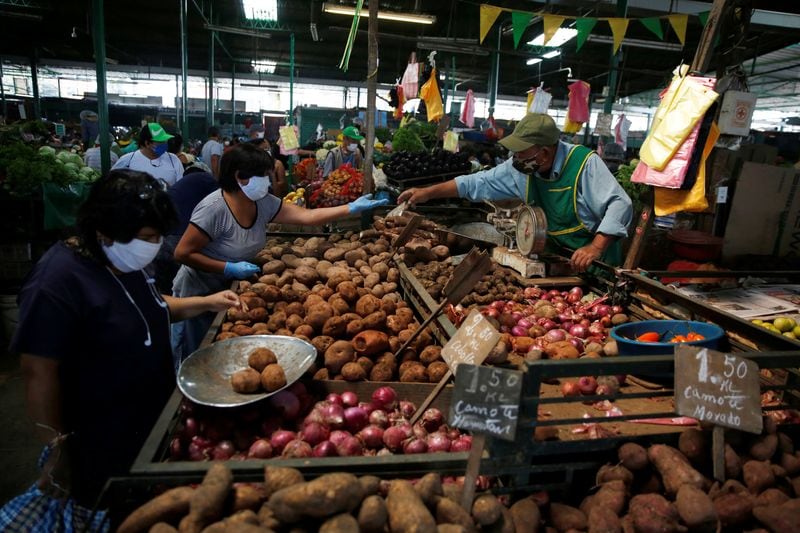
<point x="472" y="343"/>
<point x="718" y="388"/>
<point x="486" y="400"/>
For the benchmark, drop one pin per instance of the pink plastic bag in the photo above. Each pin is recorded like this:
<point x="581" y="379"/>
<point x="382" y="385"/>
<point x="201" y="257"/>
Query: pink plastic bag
<point x="675" y="172"/>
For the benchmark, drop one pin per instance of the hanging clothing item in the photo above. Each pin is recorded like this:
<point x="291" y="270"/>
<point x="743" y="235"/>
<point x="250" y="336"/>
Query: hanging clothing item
<point x="578" y="108"/>
<point x="429" y="93"/>
<point x="410" y="80"/>
<point x="398" y="101"/>
<point x="621" y="131"/>
<point x="468" y="110"/>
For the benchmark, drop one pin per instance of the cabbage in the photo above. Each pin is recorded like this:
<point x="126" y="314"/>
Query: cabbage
<point x="63" y="156"/>
<point x="47" y="151"/>
<point x="329" y="144"/>
<point x="322" y="153"/>
<point x="75" y="158"/>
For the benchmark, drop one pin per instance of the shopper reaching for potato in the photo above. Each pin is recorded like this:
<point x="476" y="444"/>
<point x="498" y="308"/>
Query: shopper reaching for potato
<point x="94" y="337"/>
<point x="228" y="228"/>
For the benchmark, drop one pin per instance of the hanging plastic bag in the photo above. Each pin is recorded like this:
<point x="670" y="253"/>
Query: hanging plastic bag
<point x="288" y="140"/>
<point x="684" y="104"/>
<point x="668" y="201"/>
<point x="410" y="81"/>
<point x="541" y="101"/>
<point x="429" y="92"/>
<point x="451" y="141"/>
<point x="674" y="172"/>
<point x="468" y="110"/>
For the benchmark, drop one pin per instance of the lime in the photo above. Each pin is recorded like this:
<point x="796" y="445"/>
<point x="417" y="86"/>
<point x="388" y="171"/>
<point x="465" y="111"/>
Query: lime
<point x="790" y="334"/>
<point x="796" y="331"/>
<point x="757" y="322"/>
<point x="784" y="324"/>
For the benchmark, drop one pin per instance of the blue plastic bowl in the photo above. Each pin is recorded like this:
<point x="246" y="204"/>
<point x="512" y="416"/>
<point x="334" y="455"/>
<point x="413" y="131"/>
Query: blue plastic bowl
<point x="626" y="334"/>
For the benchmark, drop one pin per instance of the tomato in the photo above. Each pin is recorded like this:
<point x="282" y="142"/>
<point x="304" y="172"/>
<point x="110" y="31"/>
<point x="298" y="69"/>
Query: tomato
<point x="678" y="338"/>
<point x="694" y="337"/>
<point x="649" y="336"/>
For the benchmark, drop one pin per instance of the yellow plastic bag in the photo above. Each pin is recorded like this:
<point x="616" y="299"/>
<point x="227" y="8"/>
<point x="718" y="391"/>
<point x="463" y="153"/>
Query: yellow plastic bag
<point x="451" y="141"/>
<point x="288" y="138"/>
<point x="429" y="92"/>
<point x="684" y="104"/>
<point x="668" y="201"/>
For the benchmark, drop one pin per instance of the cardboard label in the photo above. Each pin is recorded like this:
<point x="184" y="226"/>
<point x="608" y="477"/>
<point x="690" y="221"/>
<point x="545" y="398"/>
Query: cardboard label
<point x="472" y="343"/>
<point x="486" y="400"/>
<point x="718" y="388"/>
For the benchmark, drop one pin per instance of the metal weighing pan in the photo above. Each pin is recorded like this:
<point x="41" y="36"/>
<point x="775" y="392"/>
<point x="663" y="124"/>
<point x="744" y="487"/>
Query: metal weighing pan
<point x="462" y="237"/>
<point x="205" y="376"/>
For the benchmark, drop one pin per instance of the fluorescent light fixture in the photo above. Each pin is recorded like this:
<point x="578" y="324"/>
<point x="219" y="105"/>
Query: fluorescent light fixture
<point x="533" y="61"/>
<point x="551" y="54"/>
<point x="266" y="66"/>
<point x="472" y="50"/>
<point x="397" y="16"/>
<point x="638" y="43"/>
<point x="260" y="9"/>
<point x="561" y="36"/>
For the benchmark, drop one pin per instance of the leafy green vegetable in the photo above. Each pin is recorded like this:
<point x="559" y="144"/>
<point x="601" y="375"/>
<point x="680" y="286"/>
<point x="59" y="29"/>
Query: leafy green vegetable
<point x="405" y="140"/>
<point x="637" y="191"/>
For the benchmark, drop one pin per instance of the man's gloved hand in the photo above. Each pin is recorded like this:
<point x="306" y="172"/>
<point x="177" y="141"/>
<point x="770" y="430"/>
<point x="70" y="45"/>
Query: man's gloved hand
<point x="241" y="270"/>
<point x="365" y="203"/>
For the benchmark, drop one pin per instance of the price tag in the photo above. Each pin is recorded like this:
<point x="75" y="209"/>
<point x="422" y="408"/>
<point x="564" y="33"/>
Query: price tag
<point x="486" y="400"/>
<point x="722" y="195"/>
<point x="472" y="343"/>
<point x="718" y="388"/>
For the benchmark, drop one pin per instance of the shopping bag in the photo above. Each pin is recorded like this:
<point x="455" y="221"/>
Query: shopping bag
<point x="451" y="141"/>
<point x="429" y="92"/>
<point x="61" y="203"/>
<point x="288" y="142"/>
<point x="541" y="101"/>
<point x="410" y="81"/>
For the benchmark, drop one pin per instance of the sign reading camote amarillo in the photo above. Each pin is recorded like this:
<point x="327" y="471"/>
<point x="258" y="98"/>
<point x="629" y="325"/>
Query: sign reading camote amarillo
<point x="486" y="400"/>
<point x="472" y="343"/>
<point x="717" y="388"/>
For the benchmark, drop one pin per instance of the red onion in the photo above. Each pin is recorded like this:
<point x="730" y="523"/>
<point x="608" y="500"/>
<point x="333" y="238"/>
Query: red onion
<point x="324" y="449"/>
<point x="585" y="322"/>
<point x="394" y="436"/>
<point x="432" y="419"/>
<point x="566" y="316"/>
<point x="418" y="430"/>
<point x="286" y="404"/>
<point x="452" y="433"/>
<point x="490" y="311"/>
<point x="203" y="442"/>
<point x="438" y="442"/>
<point x="532" y="292"/>
<point x="602" y="310"/>
<point x="379" y="418"/>
<point x="260" y="449"/>
<point x="415" y="445"/>
<point x="597" y="329"/>
<point x="553" y="293"/>
<point x="349" y="399"/>
<point x="517" y="316"/>
<point x="334" y="398"/>
<point x="616" y="310"/>
<point x="499" y="305"/>
<point x="519" y="331"/>
<point x="578" y="331"/>
<point x="243" y="438"/>
<point x="576" y="291"/>
<point x="186" y="408"/>
<point x="332" y="415"/>
<point x="280" y="439"/>
<point x="566" y="326"/>
<point x="349" y="447"/>
<point x="338" y="436"/>
<point x="216" y="430"/>
<point x="561" y="306"/>
<point x="525" y="323"/>
<point x="605" y="321"/>
<point x="462" y="444"/>
<point x="355" y="418"/>
<point x="189" y="428"/>
<point x="545" y="297"/>
<point x="314" y="433"/>
<point x="371" y="436"/>
<point x="407" y="409"/>
<point x="587" y="385"/>
<point x="578" y="344"/>
<point x="223" y="451"/>
<point x="555" y="335"/>
<point x="548" y="324"/>
<point x="570" y="388"/>
<point x="296" y="449"/>
<point x="175" y="449"/>
<point x="385" y="398"/>
<point x="368" y="406"/>
<point x="621" y="378"/>
<point x="196" y="453"/>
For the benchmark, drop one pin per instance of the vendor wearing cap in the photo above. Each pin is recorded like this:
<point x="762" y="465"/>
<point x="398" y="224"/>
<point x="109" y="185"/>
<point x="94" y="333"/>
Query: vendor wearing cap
<point x="152" y="156"/>
<point x="348" y="152"/>
<point x="587" y="210"/>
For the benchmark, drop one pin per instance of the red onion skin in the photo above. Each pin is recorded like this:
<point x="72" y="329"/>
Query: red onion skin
<point x="498" y="305"/>
<point x="555" y="335"/>
<point x="432" y="419"/>
<point x="175" y="449"/>
<point x="355" y="418"/>
<point x="190" y="428"/>
<point x="602" y="310"/>
<point x="333" y="415"/>
<point x="393" y="438"/>
<point x="605" y="321"/>
<point x="517" y="316"/>
<point x="576" y="290"/>
<point x="553" y="293"/>
<point x="379" y="418"/>
<point x="260" y="449"/>
<point x="350" y="447"/>
<point x="349" y="399"/>
<point x="334" y="398"/>
<point x="419" y="431"/>
<point x="438" y="442"/>
<point x="573" y="299"/>
<point x="286" y="404"/>
<point x="490" y="311"/>
<point x="548" y="324"/>
<point x="587" y="385"/>
<point x="560" y="306"/>
<point x="596" y="329"/>
<point x="223" y="451"/>
<point x="337" y="437"/>
<point x="578" y="344"/>
<point x="324" y="449"/>
<point x="297" y="449"/>
<point x="415" y="445"/>
<point x="371" y="436"/>
<point x="385" y="397"/>
<point x="407" y="409"/>
<point x="525" y="323"/>
<point x="461" y="444"/>
<point x="566" y="326"/>
<point x="196" y="453"/>
<point x="519" y="331"/>
<point x="617" y="309"/>
<point x="452" y="433"/>
<point x="368" y="406"/>
<point x="578" y="331"/>
<point x="280" y="439"/>
<point x="585" y="322"/>
<point x="314" y="433"/>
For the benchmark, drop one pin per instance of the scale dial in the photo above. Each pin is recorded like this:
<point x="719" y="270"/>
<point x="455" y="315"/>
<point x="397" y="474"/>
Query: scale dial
<point x="531" y="230"/>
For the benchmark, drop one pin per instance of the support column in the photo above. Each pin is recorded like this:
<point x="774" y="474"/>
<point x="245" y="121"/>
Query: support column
<point x="372" y="90"/>
<point x="233" y="98"/>
<point x="184" y="118"/>
<point x="452" y="87"/>
<point x="37" y="104"/>
<point x="211" y="104"/>
<point x="291" y="79"/>
<point x="494" y="75"/>
<point x="2" y="93"/>
<point x="99" y="38"/>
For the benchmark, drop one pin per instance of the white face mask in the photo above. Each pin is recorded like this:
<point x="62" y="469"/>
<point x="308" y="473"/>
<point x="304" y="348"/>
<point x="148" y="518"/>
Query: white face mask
<point x="352" y="147"/>
<point x="134" y="255"/>
<point x="257" y="188"/>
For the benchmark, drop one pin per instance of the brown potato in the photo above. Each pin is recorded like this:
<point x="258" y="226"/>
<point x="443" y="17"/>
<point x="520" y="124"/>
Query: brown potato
<point x="260" y="328"/>
<point x="246" y="381"/>
<point x="226" y="335"/>
<point x="376" y="320"/>
<point x="304" y="330"/>
<point x="381" y="372"/>
<point x="317" y="315"/>
<point x="367" y="305"/>
<point x="293" y="322"/>
<point x="322" y="343"/>
<point x="337" y="355"/>
<point x="335" y="326"/>
<point x="273" y="378"/>
<point x="354" y="372"/>
<point x="348" y="291"/>
<point x="260" y="358"/>
<point x="430" y="354"/>
<point x="242" y="330"/>
<point x="436" y="371"/>
<point x="414" y="374"/>
<point x="340" y="306"/>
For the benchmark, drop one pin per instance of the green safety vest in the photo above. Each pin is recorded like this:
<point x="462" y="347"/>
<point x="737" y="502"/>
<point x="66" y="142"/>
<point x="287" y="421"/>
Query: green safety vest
<point x="559" y="200"/>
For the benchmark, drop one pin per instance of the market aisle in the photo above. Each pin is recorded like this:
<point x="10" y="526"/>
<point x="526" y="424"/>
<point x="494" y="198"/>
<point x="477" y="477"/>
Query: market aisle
<point x="18" y="446"/>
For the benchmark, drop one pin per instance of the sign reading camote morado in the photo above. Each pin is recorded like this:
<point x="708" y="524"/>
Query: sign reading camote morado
<point x="717" y="388"/>
<point x="486" y="400"/>
<point x="472" y="343"/>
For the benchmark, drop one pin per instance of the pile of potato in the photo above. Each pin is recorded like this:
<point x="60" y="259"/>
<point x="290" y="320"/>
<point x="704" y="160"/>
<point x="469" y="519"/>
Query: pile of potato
<point x="339" y="294"/>
<point x="500" y="283"/>
<point x="423" y="245"/>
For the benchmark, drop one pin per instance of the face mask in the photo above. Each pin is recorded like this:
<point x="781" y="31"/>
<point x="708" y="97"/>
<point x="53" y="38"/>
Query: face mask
<point x="257" y="188"/>
<point x="135" y="255"/>
<point x="527" y="166"/>
<point x="159" y="149"/>
<point x="352" y="147"/>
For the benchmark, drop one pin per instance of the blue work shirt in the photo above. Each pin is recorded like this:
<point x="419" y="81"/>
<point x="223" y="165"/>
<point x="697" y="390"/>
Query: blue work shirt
<point x="603" y="205"/>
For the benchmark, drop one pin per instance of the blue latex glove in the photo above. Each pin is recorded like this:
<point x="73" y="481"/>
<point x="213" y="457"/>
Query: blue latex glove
<point x="241" y="270"/>
<point x="365" y="203"/>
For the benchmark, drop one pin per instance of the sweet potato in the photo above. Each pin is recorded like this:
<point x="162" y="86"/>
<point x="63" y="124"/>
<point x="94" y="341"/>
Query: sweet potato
<point x="757" y="476"/>
<point x="280" y="477"/>
<point x="783" y="518"/>
<point x="563" y="517"/>
<point x="674" y="468"/>
<point x="167" y="507"/>
<point x="370" y="342"/>
<point x="372" y="517"/>
<point x="770" y="497"/>
<point x="246" y="381"/>
<point x="652" y="513"/>
<point x="633" y="456"/>
<point x="608" y="473"/>
<point x="734" y="509"/>
<point x="208" y="500"/>
<point x="450" y="512"/>
<point x="764" y="447"/>
<point x="429" y="487"/>
<point x="327" y="495"/>
<point x="245" y="521"/>
<point x="693" y="443"/>
<point x="695" y="508"/>
<point x="247" y="496"/>
<point x="733" y="463"/>
<point x="526" y="516"/>
<point x="407" y="512"/>
<point x="162" y="527"/>
<point x="790" y="463"/>
<point x="612" y="495"/>
<point x="343" y="523"/>
<point x="603" y="520"/>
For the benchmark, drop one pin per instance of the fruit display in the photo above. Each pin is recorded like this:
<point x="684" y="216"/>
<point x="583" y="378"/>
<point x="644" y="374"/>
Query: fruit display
<point x="297" y="197"/>
<point x="300" y="171"/>
<point x="342" y="186"/>
<point x="404" y="165"/>
<point x="784" y="325"/>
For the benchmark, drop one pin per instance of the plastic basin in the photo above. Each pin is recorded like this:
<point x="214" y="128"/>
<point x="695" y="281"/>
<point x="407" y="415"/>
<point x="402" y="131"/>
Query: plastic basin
<point x="626" y="334"/>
